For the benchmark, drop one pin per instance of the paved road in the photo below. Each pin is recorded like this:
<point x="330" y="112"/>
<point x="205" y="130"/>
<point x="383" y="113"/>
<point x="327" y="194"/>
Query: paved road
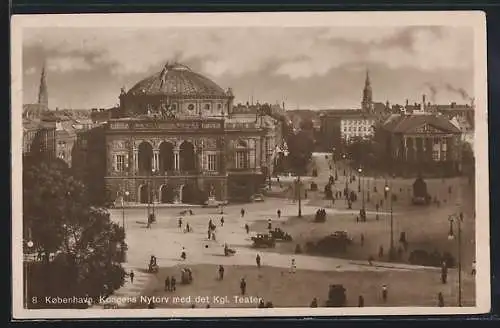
<point x="166" y="241"/>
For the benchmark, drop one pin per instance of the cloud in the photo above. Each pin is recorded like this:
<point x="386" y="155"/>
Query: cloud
<point x="293" y="52"/>
<point x="65" y="64"/>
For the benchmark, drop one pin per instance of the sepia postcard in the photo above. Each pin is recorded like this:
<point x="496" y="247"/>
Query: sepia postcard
<point x="249" y="164"/>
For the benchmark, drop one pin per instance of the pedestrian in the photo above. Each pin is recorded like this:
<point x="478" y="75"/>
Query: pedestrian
<point x="269" y="224"/>
<point x="384" y="293"/>
<point x="279" y="213"/>
<point x="261" y="304"/>
<point x="167" y="284"/>
<point x="314" y="303"/>
<point x="243" y="286"/>
<point x="180" y="223"/>
<point x="131" y="276"/>
<point x="222" y="221"/>
<point x="305" y="194"/>
<point x="361" y="301"/>
<point x="380" y="252"/>
<point x="188" y="227"/>
<point x="440" y="300"/>
<point x="293" y="266"/>
<point x="370" y="260"/>
<point x="172" y="284"/>
<point x="376" y="207"/>
<point x="221" y="272"/>
<point x="247" y="228"/>
<point x="151" y="304"/>
<point x="444" y="273"/>
<point x="473" y="271"/>
<point x="362" y="240"/>
<point x="242" y="212"/>
<point x="257" y="260"/>
<point x="357" y="218"/>
<point x="183" y="254"/>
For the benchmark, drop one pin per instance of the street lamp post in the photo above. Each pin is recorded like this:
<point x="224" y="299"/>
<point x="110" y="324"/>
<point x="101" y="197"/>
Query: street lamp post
<point x="387" y="189"/>
<point x="359" y="179"/>
<point x="360" y="171"/>
<point x="153" y="171"/>
<point x="451" y="236"/>
<point x="125" y="195"/>
<point x="29" y="244"/>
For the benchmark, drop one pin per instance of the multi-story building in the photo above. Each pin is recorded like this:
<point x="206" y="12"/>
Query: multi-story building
<point x="356" y="125"/>
<point x="39" y="140"/>
<point x="178" y="138"/>
<point x="341" y="126"/>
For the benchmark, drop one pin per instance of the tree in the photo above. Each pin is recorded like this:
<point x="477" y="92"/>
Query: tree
<point x="86" y="247"/>
<point x="300" y="146"/>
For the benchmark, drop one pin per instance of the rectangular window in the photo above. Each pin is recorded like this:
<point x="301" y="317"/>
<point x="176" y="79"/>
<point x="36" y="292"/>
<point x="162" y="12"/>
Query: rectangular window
<point x="241" y="160"/>
<point x="120" y="163"/>
<point x="435" y="155"/>
<point x="212" y="162"/>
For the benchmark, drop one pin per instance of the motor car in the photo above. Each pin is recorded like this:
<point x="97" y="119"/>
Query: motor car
<point x="263" y="240"/>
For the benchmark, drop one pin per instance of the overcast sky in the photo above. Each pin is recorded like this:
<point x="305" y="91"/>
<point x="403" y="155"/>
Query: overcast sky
<point x="308" y="68"/>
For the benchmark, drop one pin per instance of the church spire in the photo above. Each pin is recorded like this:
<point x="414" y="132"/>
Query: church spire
<point x="367" y="102"/>
<point x="43" y="97"/>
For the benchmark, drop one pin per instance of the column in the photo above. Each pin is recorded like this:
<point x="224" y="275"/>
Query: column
<point x="414" y="146"/>
<point x="440" y="148"/>
<point x="157" y="160"/>
<point x="135" y="165"/>
<point x="176" y="160"/>
<point x="199" y="157"/>
<point x="405" y="155"/>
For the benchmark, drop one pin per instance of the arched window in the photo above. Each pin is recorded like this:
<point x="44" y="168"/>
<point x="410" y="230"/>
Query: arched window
<point x="207" y="106"/>
<point x="166" y="157"/>
<point x="187" y="158"/>
<point x="145" y="158"/>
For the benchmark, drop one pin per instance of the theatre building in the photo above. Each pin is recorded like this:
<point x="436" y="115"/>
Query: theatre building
<point x="420" y="143"/>
<point x="175" y="139"/>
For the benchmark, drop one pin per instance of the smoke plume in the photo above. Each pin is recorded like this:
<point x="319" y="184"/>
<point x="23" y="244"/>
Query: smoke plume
<point x="433" y="91"/>
<point x="459" y="91"/>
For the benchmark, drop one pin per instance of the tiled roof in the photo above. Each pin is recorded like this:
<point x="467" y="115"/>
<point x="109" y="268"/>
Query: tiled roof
<point x="176" y="79"/>
<point x="405" y="123"/>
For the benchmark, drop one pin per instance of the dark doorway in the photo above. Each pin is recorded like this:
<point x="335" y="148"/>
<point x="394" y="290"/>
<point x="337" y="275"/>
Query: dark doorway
<point x="167" y="194"/>
<point x="189" y="194"/>
<point x="143" y="194"/>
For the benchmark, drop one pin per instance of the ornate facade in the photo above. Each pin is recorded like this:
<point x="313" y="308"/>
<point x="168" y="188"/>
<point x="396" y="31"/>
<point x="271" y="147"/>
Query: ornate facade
<point x="178" y="139"/>
<point x="424" y="143"/>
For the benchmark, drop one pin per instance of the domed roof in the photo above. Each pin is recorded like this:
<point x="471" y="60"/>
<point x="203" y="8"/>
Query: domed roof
<point x="177" y="80"/>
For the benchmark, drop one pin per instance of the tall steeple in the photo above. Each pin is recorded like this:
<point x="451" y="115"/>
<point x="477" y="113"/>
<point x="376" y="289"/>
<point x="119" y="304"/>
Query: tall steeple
<point x="43" y="96"/>
<point x="367" y="102"/>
